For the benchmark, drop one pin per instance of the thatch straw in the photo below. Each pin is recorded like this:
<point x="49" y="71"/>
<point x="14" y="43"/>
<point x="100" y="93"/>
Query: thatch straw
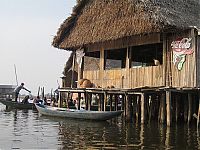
<point x="99" y="21"/>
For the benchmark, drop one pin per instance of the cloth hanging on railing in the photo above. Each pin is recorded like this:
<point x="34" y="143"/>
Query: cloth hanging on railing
<point x="79" y="56"/>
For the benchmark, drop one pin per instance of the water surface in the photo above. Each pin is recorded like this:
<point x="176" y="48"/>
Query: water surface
<point x="26" y="129"/>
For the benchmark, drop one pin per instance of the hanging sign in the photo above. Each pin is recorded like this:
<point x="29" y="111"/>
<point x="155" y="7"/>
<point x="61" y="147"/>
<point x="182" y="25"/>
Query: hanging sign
<point x="181" y="48"/>
<point x="79" y="56"/>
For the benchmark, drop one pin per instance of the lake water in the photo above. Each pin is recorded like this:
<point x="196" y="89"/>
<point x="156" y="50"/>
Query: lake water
<point x="26" y="129"/>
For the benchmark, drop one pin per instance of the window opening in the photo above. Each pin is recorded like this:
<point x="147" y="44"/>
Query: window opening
<point x="115" y="58"/>
<point x="146" y="55"/>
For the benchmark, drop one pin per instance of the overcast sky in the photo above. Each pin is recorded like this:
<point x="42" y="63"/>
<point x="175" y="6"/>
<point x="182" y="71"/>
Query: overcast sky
<point x="27" y="28"/>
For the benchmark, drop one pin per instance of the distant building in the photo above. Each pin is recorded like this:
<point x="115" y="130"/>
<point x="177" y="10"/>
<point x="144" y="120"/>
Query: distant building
<point x="6" y="90"/>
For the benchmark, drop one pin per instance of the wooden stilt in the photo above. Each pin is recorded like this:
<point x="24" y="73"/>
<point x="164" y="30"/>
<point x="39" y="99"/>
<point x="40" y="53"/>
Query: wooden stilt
<point x="177" y="101"/>
<point x="111" y="97"/>
<point x="134" y="107"/>
<point x="150" y="107"/>
<point x="138" y="108"/>
<point x="128" y="108"/>
<point x="79" y="101"/>
<point x="168" y="107"/>
<point x="100" y="102"/>
<point x="122" y="104"/>
<point x="86" y="101"/>
<point x="162" y="108"/>
<point x="189" y="108"/>
<point x="59" y="100"/>
<point x="198" y="115"/>
<point x="89" y="99"/>
<point x="116" y="102"/>
<point x="185" y="108"/>
<point x="143" y="108"/>
<point x="105" y="101"/>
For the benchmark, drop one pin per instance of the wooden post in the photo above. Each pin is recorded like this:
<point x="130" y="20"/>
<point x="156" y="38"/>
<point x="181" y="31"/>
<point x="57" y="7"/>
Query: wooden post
<point x="73" y="68"/>
<point x="89" y="95"/>
<point x="116" y="102"/>
<point x="127" y="107"/>
<point x="122" y="104"/>
<point x="86" y="101"/>
<point x="138" y="108"/>
<point x="185" y="108"/>
<point x="177" y="107"/>
<point x="134" y="107"/>
<point x="60" y="100"/>
<point x="105" y="101"/>
<point x="111" y="97"/>
<point x="189" y="108"/>
<point x="101" y="71"/>
<point x="79" y="101"/>
<point x="143" y="108"/>
<point x="99" y="102"/>
<point x="162" y="108"/>
<point x="198" y="114"/>
<point x="168" y="107"/>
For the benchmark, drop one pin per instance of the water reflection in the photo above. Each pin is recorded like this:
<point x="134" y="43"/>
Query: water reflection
<point x="26" y="129"/>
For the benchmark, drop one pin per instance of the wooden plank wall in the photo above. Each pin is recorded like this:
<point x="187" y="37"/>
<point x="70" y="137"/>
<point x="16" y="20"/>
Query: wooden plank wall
<point x="121" y="78"/>
<point x="187" y="76"/>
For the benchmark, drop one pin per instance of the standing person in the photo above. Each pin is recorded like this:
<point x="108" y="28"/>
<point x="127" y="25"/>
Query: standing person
<point x="18" y="89"/>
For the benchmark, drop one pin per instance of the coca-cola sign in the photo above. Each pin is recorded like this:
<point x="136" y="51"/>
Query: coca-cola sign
<point x="181" y="48"/>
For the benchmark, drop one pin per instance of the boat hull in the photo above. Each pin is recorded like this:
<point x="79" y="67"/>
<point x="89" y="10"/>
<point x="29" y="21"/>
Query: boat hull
<point x="78" y="114"/>
<point x="13" y="104"/>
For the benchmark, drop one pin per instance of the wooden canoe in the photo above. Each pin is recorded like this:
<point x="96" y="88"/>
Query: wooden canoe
<point x="17" y="105"/>
<point x="78" y="114"/>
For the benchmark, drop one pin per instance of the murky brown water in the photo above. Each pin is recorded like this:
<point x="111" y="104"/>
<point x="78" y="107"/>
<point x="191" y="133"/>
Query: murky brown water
<point x="26" y="129"/>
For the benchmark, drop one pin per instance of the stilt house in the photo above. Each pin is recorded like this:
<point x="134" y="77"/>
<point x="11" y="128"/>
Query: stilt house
<point x="135" y="43"/>
<point x="137" y="46"/>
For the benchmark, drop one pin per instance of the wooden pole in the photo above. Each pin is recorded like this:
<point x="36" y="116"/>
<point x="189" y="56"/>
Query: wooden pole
<point x="168" y="107"/>
<point x="111" y="96"/>
<point x="143" y="108"/>
<point x="162" y="108"/>
<point x="185" y="108"/>
<point x="189" y="108"/>
<point x="198" y="115"/>
<point x="177" y="107"/>
<point x="79" y="101"/>
<point x="134" y="107"/>
<point x="99" y="103"/>
<point x="16" y="74"/>
<point x="89" y="100"/>
<point x="116" y="102"/>
<point x="59" y="100"/>
<point x="105" y="101"/>
<point x="73" y="67"/>
<point x="138" y="108"/>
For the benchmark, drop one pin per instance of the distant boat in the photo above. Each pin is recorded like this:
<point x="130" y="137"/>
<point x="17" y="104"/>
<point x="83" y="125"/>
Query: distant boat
<point x="12" y="104"/>
<point x="78" y="114"/>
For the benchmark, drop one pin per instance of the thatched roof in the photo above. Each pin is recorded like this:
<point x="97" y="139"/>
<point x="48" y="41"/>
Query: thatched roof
<point x="98" y="21"/>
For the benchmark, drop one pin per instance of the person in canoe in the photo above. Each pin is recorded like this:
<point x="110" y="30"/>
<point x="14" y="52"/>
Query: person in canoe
<point x="18" y="89"/>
